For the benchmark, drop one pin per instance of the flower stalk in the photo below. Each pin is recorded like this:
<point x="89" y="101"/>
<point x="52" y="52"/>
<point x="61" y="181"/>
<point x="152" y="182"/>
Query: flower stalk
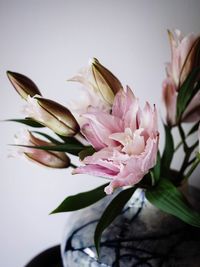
<point x="193" y="167"/>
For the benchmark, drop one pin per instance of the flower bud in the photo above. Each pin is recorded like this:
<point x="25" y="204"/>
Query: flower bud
<point x="169" y="97"/>
<point x="192" y="61"/>
<point x="47" y="158"/>
<point x="53" y="115"/>
<point x="23" y="85"/>
<point x="107" y="84"/>
<point x="184" y="56"/>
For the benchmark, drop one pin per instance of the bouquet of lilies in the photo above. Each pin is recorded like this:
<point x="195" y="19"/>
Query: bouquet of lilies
<point x="118" y="140"/>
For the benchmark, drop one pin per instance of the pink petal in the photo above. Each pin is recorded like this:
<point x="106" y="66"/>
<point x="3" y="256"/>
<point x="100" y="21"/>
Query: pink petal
<point x="113" y="185"/>
<point x="136" y="147"/>
<point x="84" y="77"/>
<point x="131" y="179"/>
<point x="137" y="166"/>
<point x="95" y="170"/>
<point x="169" y="96"/>
<point x="89" y="132"/>
<point x="106" y="120"/>
<point x="122" y="102"/>
<point x="104" y="158"/>
<point x="149" y="157"/>
<point x="103" y="125"/>
<point x="147" y="119"/>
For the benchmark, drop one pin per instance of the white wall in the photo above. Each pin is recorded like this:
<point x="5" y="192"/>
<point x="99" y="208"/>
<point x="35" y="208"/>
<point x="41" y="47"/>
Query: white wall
<point x="49" y="41"/>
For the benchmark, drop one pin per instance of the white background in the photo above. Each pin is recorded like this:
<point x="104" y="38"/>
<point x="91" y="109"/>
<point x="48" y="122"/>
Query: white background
<point x="50" y="41"/>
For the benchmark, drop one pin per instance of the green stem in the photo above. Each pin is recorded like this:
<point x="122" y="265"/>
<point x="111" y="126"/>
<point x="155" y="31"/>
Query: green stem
<point x="178" y="145"/>
<point x="191" y="161"/>
<point x="193" y="167"/>
<point x="182" y="134"/>
<point x="188" y="151"/>
<point x="195" y="145"/>
<point x="187" y="161"/>
<point x="193" y="129"/>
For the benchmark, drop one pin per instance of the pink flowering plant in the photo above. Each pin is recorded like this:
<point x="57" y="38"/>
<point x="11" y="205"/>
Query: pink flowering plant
<point x="117" y="139"/>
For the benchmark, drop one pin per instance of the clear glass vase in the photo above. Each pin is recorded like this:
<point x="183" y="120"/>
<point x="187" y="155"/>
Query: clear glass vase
<point x="140" y="236"/>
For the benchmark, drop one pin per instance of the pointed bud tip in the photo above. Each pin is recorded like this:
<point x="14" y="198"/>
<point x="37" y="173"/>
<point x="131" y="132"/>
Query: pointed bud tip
<point x="22" y="84"/>
<point x="170" y="35"/>
<point x="10" y="74"/>
<point x="93" y="61"/>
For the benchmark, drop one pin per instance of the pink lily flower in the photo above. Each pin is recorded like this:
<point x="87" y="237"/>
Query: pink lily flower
<point x="126" y="141"/>
<point x="183" y="50"/>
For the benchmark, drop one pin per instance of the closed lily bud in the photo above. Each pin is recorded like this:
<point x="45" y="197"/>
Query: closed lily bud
<point x="184" y="57"/>
<point x="169" y="97"/>
<point x="52" y="115"/>
<point x="24" y="86"/>
<point x="47" y="158"/>
<point x="107" y="84"/>
<point x="192" y="61"/>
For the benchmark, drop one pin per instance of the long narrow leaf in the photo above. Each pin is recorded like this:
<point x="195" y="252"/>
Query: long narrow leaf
<point x="169" y="199"/>
<point x="82" y="200"/>
<point x="157" y="169"/>
<point x="111" y="212"/>
<point x="86" y="152"/>
<point x="27" y="121"/>
<point x="168" y="150"/>
<point x="71" y="149"/>
<point x="187" y="92"/>
<point x="70" y="140"/>
<point x="51" y="139"/>
<point x="193" y="129"/>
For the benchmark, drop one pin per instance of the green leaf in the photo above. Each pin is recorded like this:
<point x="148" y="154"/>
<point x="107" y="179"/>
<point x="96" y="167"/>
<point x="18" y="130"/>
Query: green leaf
<point x="187" y="92"/>
<point x="147" y="181"/>
<point x="193" y="129"/>
<point x="168" y="150"/>
<point x="157" y="168"/>
<point x="71" y="149"/>
<point x="169" y="199"/>
<point x="28" y="121"/>
<point x="82" y="200"/>
<point x="86" y="152"/>
<point x="111" y="212"/>
<point x="51" y="139"/>
<point x="70" y="140"/>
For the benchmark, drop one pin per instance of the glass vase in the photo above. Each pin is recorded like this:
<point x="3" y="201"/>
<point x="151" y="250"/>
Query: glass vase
<point x="140" y="236"/>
